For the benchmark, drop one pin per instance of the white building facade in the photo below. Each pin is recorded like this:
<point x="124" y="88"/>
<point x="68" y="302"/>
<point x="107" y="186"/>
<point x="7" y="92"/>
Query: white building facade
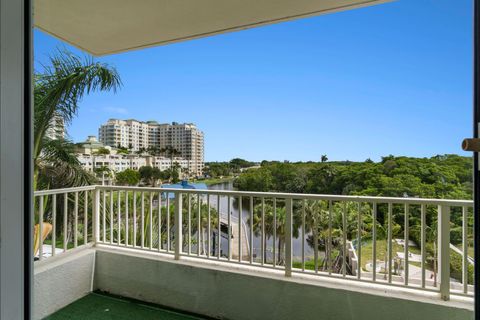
<point x="121" y="162"/>
<point x="56" y="129"/>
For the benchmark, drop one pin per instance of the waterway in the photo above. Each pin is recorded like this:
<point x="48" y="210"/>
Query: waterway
<point x="245" y="217"/>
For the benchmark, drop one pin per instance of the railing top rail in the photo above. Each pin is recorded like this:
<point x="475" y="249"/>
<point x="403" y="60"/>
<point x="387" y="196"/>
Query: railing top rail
<point x="64" y="190"/>
<point x="300" y="196"/>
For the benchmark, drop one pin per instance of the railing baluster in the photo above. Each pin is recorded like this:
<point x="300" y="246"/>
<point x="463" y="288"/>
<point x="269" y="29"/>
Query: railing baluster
<point x="465" y="249"/>
<point x="119" y="217"/>
<point x="263" y="232"/>
<point x="134" y="240"/>
<point x="359" y="241"/>
<point x="142" y="220"/>
<point x="209" y="236"/>
<point x="240" y="213"/>
<point x="40" y="229"/>
<point x="96" y="214"/>
<point x="344" y="235"/>
<point x="75" y="222"/>
<point x="274" y="231"/>
<point x="150" y="229"/>
<point x="329" y="246"/>
<point x="111" y="216"/>
<point x="189" y="224"/>
<point x="407" y="237"/>
<point x="54" y="223"/>
<point x="423" y="240"/>
<point x="159" y="221"/>
<point x="178" y="225"/>
<point x="303" y="234"/>
<point x="389" y="245"/>
<point x="219" y="229"/>
<point x="65" y="221"/>
<point x="374" y="242"/>
<point x="288" y="236"/>
<point x="104" y="216"/>
<point x="167" y="203"/>
<point x="199" y="224"/>
<point x="85" y="217"/>
<point x="127" y="227"/>
<point x="251" y="230"/>
<point x="444" y="251"/>
<point x="229" y="218"/>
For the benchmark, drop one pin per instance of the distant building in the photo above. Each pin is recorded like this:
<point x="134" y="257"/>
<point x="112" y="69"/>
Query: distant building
<point x="121" y="162"/>
<point x="87" y="155"/>
<point x="56" y="129"/>
<point x="91" y="145"/>
<point x="135" y="135"/>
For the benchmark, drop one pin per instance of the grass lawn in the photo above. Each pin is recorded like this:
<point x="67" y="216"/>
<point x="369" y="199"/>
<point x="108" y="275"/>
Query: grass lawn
<point x="310" y="264"/>
<point x="470" y="252"/>
<point x="367" y="250"/>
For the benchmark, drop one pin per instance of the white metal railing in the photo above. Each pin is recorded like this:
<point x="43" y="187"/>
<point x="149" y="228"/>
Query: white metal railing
<point x="69" y="213"/>
<point x="276" y="230"/>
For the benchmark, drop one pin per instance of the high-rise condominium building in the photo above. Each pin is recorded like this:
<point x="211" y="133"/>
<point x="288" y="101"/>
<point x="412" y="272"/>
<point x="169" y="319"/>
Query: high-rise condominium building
<point x="185" y="138"/>
<point x="56" y="129"/>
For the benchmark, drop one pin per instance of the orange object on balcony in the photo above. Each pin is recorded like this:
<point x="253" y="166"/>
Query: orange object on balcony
<point x="46" y="229"/>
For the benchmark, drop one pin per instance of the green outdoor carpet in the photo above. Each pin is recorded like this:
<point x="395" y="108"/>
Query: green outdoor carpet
<point x="99" y="307"/>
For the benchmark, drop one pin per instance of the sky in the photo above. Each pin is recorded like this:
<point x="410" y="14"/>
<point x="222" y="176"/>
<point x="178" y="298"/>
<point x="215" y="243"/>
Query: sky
<point x="395" y="78"/>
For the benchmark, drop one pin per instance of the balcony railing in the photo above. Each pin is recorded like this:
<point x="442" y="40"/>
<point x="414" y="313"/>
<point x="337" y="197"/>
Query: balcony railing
<point x="403" y="242"/>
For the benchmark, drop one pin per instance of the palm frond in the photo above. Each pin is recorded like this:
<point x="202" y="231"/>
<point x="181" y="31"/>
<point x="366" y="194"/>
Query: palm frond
<point x="63" y="84"/>
<point x="58" y="167"/>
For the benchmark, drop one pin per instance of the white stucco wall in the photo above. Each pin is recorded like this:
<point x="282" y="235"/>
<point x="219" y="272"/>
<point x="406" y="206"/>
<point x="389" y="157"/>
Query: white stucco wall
<point x="224" y="294"/>
<point x="62" y="280"/>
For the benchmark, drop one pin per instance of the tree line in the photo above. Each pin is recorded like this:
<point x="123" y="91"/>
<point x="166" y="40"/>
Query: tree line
<point x="441" y="176"/>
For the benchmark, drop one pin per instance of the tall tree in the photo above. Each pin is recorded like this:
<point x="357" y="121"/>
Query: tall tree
<point x="58" y="89"/>
<point x="171" y="152"/>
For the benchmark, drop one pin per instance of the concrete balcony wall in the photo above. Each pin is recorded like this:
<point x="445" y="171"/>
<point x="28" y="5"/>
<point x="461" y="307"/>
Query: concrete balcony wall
<point x="62" y="280"/>
<point x="231" y="292"/>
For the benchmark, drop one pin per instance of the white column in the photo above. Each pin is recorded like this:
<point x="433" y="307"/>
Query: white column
<point x="288" y="237"/>
<point x="444" y="251"/>
<point x="16" y="257"/>
<point x="178" y="225"/>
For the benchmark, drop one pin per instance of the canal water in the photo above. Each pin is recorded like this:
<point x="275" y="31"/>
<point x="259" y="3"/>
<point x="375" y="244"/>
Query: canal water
<point x="246" y="232"/>
<point x="297" y="243"/>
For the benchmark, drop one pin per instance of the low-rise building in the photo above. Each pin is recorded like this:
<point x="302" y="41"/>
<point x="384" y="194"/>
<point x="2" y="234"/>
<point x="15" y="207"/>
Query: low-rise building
<point x="89" y="157"/>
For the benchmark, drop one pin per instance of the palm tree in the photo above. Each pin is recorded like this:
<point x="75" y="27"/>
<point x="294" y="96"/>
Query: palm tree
<point x="269" y="228"/>
<point x="103" y="171"/>
<point x="314" y="216"/>
<point x="141" y="151"/>
<point x="57" y="93"/>
<point x="185" y="173"/>
<point x="170" y="152"/>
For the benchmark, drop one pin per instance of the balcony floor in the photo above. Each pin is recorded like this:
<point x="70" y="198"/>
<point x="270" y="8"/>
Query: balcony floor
<point x="98" y="307"/>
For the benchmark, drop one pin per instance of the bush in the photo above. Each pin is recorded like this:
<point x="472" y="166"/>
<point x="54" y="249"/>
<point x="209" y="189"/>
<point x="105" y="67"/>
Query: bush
<point x="456" y="267"/>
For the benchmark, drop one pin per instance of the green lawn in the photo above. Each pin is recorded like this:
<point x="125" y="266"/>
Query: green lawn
<point x="470" y="252"/>
<point x="367" y="250"/>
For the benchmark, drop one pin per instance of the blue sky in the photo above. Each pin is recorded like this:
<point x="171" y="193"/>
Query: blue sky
<point x="390" y="79"/>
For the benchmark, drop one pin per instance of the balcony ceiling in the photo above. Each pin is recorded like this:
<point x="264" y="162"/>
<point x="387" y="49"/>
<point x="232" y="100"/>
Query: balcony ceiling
<point x="111" y="26"/>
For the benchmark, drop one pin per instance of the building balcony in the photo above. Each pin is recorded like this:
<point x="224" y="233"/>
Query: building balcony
<point x="249" y="255"/>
